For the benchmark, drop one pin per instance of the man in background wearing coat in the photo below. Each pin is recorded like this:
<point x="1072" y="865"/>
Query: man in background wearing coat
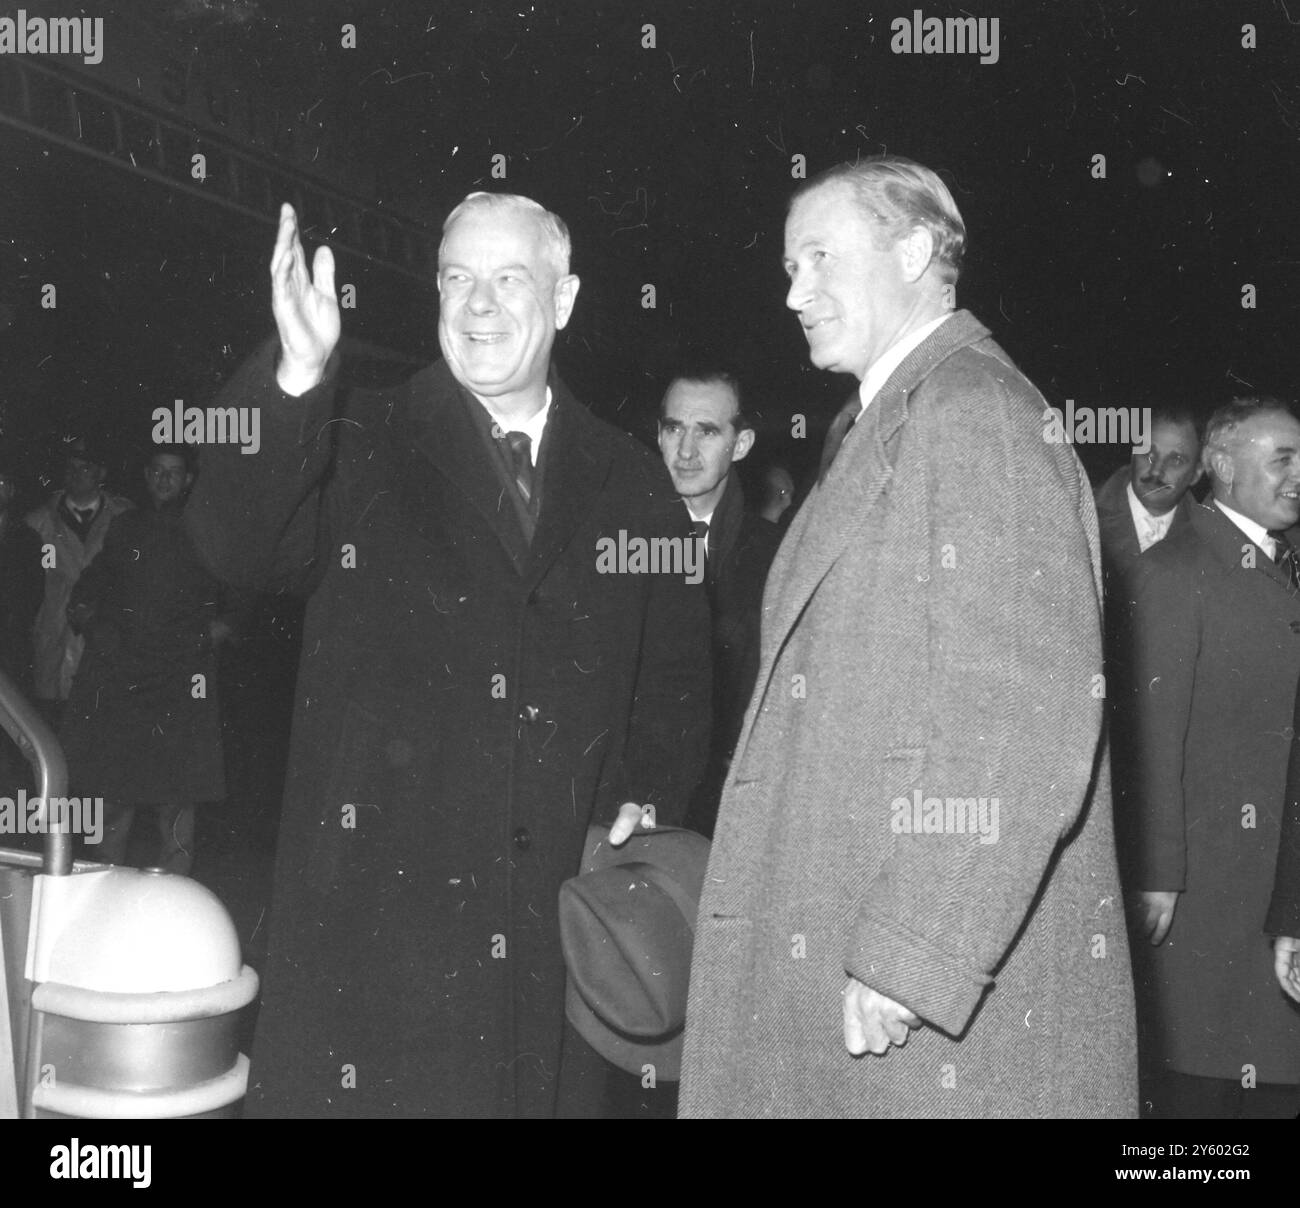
<point x="1216" y="659"/>
<point x="1139" y="504"/>
<point x="1282" y="922"/>
<point x="915" y="835"/>
<point x="703" y="433"/>
<point x="473" y="689"/>
<point x="72" y="523"/>
<point x="142" y="727"/>
<point x="1143" y="501"/>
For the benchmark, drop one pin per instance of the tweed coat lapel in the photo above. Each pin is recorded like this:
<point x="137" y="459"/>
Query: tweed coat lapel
<point x="840" y="506"/>
<point x="861" y="472"/>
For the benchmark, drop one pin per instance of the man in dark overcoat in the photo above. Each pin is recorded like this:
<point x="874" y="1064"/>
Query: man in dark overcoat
<point x="1142" y="502"/>
<point x="1216" y="659"/>
<point x="703" y="433"/>
<point x="474" y="688"/>
<point x="142" y="725"/>
<point x="916" y="834"/>
<point x="72" y="525"/>
<point x="1282" y="923"/>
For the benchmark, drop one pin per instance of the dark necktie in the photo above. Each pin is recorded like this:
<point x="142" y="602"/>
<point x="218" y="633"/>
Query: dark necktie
<point x="1286" y="558"/>
<point x="521" y="462"/>
<point x="700" y="529"/>
<point x="839" y="429"/>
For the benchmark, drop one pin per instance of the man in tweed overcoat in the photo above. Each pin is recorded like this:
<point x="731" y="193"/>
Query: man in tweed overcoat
<point x="915" y="845"/>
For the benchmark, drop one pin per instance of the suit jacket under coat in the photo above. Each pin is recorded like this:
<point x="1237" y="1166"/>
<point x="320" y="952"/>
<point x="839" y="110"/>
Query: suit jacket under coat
<point x="473" y="702"/>
<point x="931" y="625"/>
<point x="1216" y="642"/>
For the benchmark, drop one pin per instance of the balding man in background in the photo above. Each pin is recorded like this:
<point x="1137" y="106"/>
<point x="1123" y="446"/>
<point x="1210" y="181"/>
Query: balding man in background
<point x="1215" y="650"/>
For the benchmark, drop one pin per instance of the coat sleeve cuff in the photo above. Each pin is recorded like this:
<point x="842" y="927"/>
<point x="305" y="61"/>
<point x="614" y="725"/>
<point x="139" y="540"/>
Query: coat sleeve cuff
<point x="902" y="965"/>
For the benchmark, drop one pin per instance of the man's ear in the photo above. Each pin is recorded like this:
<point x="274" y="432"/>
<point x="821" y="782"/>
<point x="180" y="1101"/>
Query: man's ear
<point x="916" y="250"/>
<point x="744" y="442"/>
<point x="566" y="294"/>
<point x="1218" y="463"/>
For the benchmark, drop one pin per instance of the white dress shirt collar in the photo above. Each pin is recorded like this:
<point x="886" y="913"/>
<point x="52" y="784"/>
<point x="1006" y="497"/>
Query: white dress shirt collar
<point x="1150" y="529"/>
<point x="1256" y="532"/>
<point x="533" y="427"/>
<point x="892" y="358"/>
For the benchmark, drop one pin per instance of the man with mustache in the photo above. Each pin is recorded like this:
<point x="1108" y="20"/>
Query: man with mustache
<point x="1139" y="504"/>
<point x="1215" y="649"/>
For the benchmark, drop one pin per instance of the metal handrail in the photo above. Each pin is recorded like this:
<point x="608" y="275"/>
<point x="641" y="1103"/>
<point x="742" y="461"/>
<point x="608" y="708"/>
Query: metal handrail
<point x="21" y="721"/>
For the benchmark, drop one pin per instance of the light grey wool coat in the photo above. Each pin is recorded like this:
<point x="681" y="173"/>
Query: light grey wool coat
<point x="931" y="625"/>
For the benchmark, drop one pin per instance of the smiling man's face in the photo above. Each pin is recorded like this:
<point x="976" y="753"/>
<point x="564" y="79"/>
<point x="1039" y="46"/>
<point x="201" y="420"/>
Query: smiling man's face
<point x="851" y="297"/>
<point x="501" y="303"/>
<point x="1262" y="479"/>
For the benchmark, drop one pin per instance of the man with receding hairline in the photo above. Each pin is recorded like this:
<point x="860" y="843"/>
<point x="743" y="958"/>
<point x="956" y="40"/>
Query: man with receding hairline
<point x="473" y="691"/>
<point x="1141" y="502"/>
<point x="1215" y="649"/>
<point x="931" y="634"/>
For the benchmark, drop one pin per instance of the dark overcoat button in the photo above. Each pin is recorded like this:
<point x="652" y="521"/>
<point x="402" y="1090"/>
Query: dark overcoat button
<point x="529" y="713"/>
<point x="523" y="838"/>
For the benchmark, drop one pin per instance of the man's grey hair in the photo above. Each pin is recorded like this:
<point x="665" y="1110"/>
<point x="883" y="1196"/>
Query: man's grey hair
<point x="897" y="195"/>
<point x="1221" y="427"/>
<point x="555" y="234"/>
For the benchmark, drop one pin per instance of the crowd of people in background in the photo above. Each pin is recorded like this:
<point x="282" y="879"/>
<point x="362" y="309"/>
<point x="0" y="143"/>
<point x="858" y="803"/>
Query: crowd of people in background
<point x="932" y="620"/>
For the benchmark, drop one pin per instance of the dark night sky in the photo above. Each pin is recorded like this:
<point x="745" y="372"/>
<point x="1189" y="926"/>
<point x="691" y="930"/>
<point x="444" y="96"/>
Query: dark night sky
<point x="672" y="167"/>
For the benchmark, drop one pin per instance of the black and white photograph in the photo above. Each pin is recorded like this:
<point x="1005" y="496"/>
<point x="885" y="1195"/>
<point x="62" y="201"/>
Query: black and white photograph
<point x="651" y="561"/>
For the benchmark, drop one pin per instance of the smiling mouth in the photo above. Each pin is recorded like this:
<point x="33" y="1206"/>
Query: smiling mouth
<point x="485" y="337"/>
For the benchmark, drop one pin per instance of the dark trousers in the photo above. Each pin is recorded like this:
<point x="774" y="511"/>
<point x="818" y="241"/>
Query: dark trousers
<point x="1175" y="1096"/>
<point x="593" y="1089"/>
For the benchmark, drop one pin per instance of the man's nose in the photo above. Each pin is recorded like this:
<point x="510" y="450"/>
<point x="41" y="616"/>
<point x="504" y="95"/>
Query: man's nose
<point x="686" y="448"/>
<point x="482" y="298"/>
<point x="798" y="295"/>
